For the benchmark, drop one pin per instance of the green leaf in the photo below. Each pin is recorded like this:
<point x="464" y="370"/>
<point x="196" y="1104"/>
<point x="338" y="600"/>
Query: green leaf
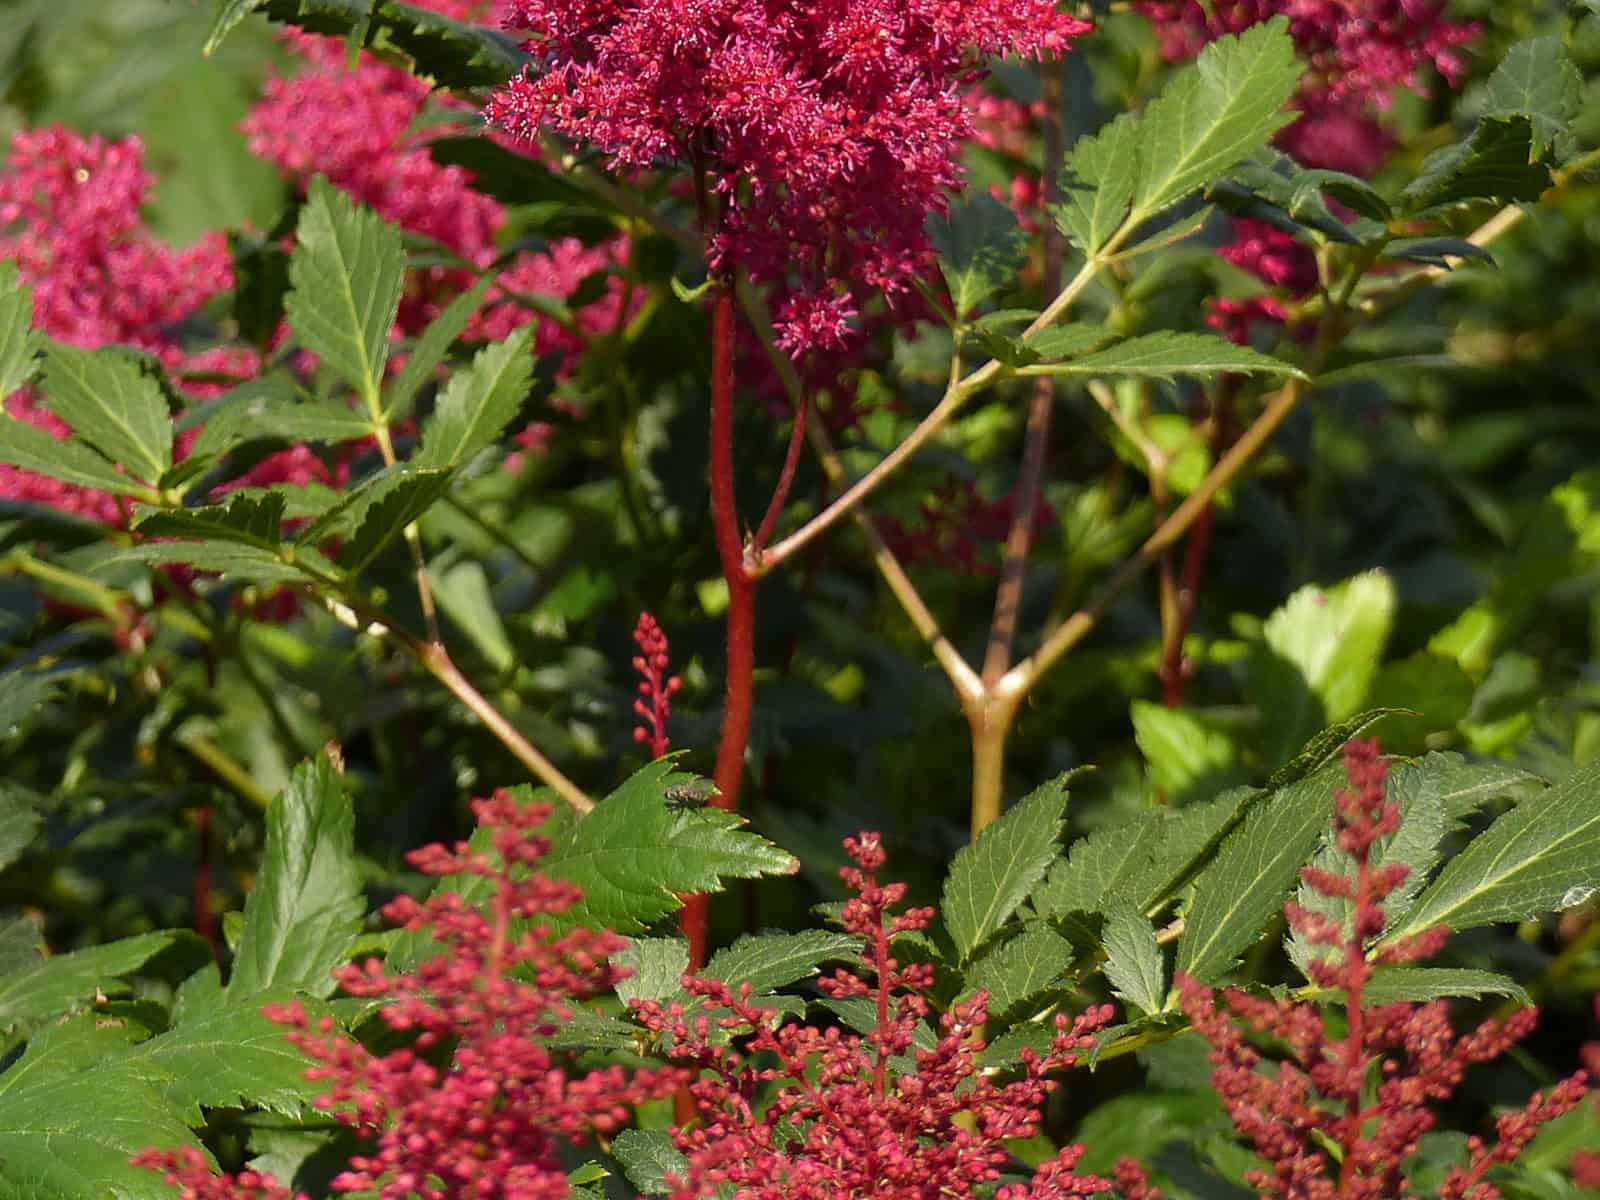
<point x="464" y="595"/>
<point x="1216" y="113"/>
<point x="991" y="878"/>
<point x="1418" y="985"/>
<point x="111" y="405"/>
<point x="1435" y="251"/>
<point x="229" y="14"/>
<point x="1537" y="78"/>
<point x="33" y="449"/>
<point x="1068" y="341"/>
<point x="229" y="1055"/>
<point x="1496" y="162"/>
<point x="1542" y="855"/>
<point x="633" y="856"/>
<point x="18" y="820"/>
<point x="248" y="520"/>
<point x="413" y="493"/>
<point x="1135" y="863"/>
<point x="1353" y="192"/>
<point x="1186" y="756"/>
<point x="306" y="906"/>
<point x="1097" y="184"/>
<point x="19" y="341"/>
<point x="1021" y="969"/>
<point x="647" y="1158"/>
<point x="67" y="1131"/>
<point x="658" y="966"/>
<point x="1317" y="657"/>
<point x="69" y="981"/>
<point x="1324" y="747"/>
<point x="1257" y="865"/>
<point x="1424" y="820"/>
<point x="345" y="277"/>
<point x="771" y="961"/>
<point x="431" y="348"/>
<point x="479" y="402"/>
<point x="234" y="562"/>
<point x="1134" y="967"/>
<point x="980" y="250"/>
<point x="22" y="693"/>
<point x="1167" y="355"/>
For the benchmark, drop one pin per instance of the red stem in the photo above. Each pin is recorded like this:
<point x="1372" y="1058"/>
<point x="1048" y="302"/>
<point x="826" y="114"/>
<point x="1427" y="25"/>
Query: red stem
<point x="741" y="599"/>
<point x="791" y="462"/>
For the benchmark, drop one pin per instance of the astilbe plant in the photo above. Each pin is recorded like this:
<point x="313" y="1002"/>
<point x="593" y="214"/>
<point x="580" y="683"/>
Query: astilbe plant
<point x="475" y="1103"/>
<point x="788" y="1109"/>
<point x="656" y="687"/>
<point x="825" y="131"/>
<point x="1338" y="1116"/>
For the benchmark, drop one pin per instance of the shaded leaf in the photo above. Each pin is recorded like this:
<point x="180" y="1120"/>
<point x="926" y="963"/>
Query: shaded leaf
<point x="648" y="1157"/>
<point x="770" y="961"/>
<point x="1542" y="855"/>
<point x="1254" y="871"/>
<point x="1167" y="355"/>
<point x="344" y="286"/>
<point x="69" y="981"/>
<point x="248" y="520"/>
<point x="1097" y="184"/>
<point x="19" y="341"/>
<point x="1537" y="78"/>
<point x="1497" y="161"/>
<point x="430" y="349"/>
<point x="991" y="878"/>
<point x="478" y="402"/>
<point x="981" y="249"/>
<point x="1021" y="969"/>
<point x="112" y="405"/>
<point x="1134" y="966"/>
<point x="33" y="449"/>
<point x="411" y="495"/>
<point x="1418" y="985"/>
<point x="18" y="819"/>
<point x="307" y="904"/>
<point x="1215" y="113"/>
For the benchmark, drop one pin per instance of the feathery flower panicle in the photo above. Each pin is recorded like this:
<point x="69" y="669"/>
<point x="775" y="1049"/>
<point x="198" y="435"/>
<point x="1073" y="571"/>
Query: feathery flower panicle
<point x="656" y="687"/>
<point x="475" y="1104"/>
<point x="1370" y="1089"/>
<point x="359" y="127"/>
<point x="844" y="1114"/>
<point x="825" y="130"/>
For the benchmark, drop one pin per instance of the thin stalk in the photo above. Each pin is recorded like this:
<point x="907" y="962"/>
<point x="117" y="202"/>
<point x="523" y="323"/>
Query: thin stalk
<point x="438" y="663"/>
<point x="990" y="721"/>
<point x="380" y="429"/>
<point x="956" y="668"/>
<point x="223" y="765"/>
<point x="780" y="494"/>
<point x="1070" y="632"/>
<point x="953" y="400"/>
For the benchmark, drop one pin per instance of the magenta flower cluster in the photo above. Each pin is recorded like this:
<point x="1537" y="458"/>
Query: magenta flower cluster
<point x="656" y="688"/>
<point x="785" y="1110"/>
<point x="1340" y="1113"/>
<point x="822" y="132"/>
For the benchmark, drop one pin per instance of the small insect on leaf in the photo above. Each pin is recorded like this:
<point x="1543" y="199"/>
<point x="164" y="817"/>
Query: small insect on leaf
<point x="697" y="793"/>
